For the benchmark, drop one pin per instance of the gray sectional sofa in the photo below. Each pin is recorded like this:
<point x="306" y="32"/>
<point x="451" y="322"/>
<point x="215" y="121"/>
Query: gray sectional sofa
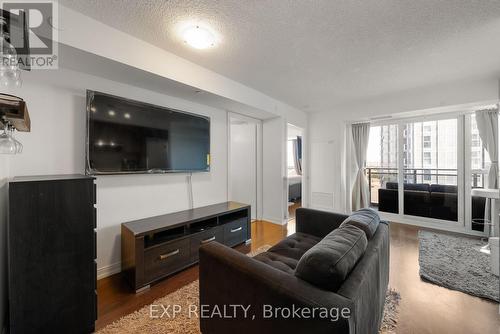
<point x="333" y="262"/>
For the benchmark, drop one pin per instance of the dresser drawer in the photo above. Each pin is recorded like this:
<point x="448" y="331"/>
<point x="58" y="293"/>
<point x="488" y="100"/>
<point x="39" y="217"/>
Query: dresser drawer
<point x="235" y="232"/>
<point x="166" y="259"/>
<point x="198" y="239"/>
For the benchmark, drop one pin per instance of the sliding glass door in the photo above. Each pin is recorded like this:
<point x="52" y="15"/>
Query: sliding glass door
<point x="430" y="169"/>
<point x="382" y="167"/>
<point x="414" y="169"/>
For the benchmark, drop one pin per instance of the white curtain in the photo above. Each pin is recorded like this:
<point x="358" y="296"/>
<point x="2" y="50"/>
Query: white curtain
<point x="360" y="190"/>
<point x="487" y="124"/>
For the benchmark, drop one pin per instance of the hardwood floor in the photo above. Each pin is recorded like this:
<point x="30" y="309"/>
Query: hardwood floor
<point x="428" y="308"/>
<point x="425" y="308"/>
<point x="292" y="208"/>
<point x="116" y="299"/>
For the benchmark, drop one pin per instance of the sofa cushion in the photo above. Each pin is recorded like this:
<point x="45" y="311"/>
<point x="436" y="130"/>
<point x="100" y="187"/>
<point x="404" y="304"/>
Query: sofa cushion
<point x="417" y="203"/>
<point x="388" y="200"/>
<point x="285" y="254"/>
<point x="444" y="206"/>
<point x="329" y="262"/>
<point x="417" y="186"/>
<point x="391" y="185"/>
<point x="365" y="219"/>
<point x="444" y="188"/>
<point x="280" y="262"/>
<point x="295" y="245"/>
<point x="408" y="186"/>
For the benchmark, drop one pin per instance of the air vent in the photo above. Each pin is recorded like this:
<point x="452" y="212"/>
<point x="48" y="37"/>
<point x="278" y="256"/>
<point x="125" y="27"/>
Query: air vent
<point x="322" y="200"/>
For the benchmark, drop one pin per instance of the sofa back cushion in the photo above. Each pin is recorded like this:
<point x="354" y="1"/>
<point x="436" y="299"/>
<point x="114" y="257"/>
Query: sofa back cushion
<point x="365" y="219"/>
<point x="409" y="186"/>
<point x="417" y="186"/>
<point x="444" y="206"/>
<point x="328" y="263"/>
<point x="391" y="185"/>
<point x="417" y="203"/>
<point x="444" y="188"/>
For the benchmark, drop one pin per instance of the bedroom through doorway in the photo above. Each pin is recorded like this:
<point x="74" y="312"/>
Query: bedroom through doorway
<point x="294" y="169"/>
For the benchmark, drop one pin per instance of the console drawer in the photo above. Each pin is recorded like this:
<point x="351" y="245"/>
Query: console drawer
<point x="235" y="232"/>
<point x="165" y="259"/>
<point x="198" y="239"/>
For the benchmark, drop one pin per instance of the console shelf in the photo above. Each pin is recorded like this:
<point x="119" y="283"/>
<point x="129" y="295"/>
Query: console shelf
<point x="156" y="247"/>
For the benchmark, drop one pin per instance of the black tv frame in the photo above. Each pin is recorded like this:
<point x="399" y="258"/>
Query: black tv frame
<point x="90" y="171"/>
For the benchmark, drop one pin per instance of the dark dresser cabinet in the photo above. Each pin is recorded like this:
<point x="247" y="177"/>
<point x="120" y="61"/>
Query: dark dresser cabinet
<point x="52" y="251"/>
<point x="154" y="248"/>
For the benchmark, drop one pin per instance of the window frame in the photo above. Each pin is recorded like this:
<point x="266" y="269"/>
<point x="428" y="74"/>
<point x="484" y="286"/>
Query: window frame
<point x="460" y="224"/>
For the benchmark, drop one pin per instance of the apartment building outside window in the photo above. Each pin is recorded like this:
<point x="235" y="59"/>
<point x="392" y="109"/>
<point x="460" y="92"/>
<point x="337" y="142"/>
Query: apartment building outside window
<point x="432" y="165"/>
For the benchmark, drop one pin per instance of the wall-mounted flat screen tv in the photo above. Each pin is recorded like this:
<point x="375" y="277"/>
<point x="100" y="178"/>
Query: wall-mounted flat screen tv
<point x="126" y="136"/>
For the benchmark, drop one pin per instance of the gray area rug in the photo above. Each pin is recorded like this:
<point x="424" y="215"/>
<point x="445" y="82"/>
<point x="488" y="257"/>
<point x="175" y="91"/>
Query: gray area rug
<point x="455" y="262"/>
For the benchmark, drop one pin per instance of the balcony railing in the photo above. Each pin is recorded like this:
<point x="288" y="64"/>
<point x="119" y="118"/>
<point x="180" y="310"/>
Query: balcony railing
<point x="379" y="176"/>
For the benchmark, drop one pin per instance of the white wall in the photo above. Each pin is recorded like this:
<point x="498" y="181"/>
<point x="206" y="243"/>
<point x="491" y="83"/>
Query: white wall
<point x="274" y="181"/>
<point x="243" y="163"/>
<point x="4" y="174"/>
<point x="328" y="131"/>
<point x="56" y="102"/>
<point x="327" y="175"/>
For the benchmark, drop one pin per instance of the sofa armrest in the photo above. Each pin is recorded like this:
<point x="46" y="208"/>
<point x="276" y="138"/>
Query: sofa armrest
<point x="228" y="277"/>
<point x="317" y="222"/>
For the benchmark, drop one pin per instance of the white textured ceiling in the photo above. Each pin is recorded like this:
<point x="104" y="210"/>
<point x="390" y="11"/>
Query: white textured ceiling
<point x="320" y="54"/>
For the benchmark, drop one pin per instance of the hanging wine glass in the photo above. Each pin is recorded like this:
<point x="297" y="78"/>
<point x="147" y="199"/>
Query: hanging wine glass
<point x="7" y="139"/>
<point x="10" y="78"/>
<point x="10" y="73"/>
<point x="7" y="144"/>
<point x="19" y="146"/>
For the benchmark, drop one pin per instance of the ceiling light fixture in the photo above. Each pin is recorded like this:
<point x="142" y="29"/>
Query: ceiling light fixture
<point x="111" y="113"/>
<point x="198" y="37"/>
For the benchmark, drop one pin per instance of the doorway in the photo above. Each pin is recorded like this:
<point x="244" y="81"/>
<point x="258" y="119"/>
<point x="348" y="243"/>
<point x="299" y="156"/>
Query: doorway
<point x="294" y="168"/>
<point x="243" y="160"/>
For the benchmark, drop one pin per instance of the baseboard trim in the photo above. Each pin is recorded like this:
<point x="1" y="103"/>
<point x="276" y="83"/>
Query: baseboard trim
<point x="107" y="271"/>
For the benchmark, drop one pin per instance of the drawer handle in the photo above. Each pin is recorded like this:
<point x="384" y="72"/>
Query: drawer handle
<point x="166" y="256"/>
<point x="208" y="240"/>
<point x="236" y="229"/>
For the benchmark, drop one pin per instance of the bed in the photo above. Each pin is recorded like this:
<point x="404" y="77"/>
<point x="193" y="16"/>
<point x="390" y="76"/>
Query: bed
<point x="294" y="188"/>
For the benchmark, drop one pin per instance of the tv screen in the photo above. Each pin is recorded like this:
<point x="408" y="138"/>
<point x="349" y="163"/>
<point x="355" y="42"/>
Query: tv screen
<point x="126" y="136"/>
